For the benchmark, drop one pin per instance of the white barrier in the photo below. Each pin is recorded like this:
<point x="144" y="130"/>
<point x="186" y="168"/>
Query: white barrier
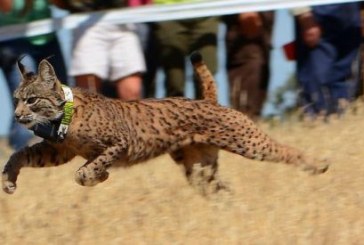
<point x="155" y="13"/>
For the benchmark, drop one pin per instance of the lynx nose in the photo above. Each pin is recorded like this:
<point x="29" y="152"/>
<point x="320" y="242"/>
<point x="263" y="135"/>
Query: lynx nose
<point x="17" y="116"/>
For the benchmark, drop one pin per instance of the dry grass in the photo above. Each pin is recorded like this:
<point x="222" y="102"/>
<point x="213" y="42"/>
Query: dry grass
<point x="153" y="204"/>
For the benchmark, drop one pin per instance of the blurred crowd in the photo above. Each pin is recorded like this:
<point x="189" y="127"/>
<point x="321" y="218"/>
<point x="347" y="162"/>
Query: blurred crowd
<point x="121" y="60"/>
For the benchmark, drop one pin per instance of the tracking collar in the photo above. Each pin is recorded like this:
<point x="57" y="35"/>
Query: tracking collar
<point x="56" y="130"/>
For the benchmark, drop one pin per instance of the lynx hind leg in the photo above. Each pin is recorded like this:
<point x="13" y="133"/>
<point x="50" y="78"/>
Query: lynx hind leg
<point x="266" y="149"/>
<point x="313" y="165"/>
<point x="201" y="167"/>
<point x="275" y="152"/>
<point x="89" y="175"/>
<point x="297" y="158"/>
<point x="241" y="136"/>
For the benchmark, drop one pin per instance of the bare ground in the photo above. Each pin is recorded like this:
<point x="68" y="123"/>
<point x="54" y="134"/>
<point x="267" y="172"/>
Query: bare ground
<point x="152" y="203"/>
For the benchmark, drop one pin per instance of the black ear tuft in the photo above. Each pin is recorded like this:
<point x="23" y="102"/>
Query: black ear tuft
<point x="195" y="57"/>
<point x="21" y="67"/>
<point x="49" y="57"/>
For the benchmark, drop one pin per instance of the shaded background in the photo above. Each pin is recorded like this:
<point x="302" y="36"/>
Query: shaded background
<point x="281" y="69"/>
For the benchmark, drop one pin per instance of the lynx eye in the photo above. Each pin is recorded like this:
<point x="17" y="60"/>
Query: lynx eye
<point x="31" y="100"/>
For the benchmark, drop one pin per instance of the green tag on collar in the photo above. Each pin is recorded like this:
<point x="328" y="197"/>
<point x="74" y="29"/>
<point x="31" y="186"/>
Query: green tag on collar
<point x="68" y="110"/>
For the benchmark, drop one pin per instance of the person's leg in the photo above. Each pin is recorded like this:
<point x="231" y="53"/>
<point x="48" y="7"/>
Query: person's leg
<point x="246" y="80"/>
<point x="342" y="85"/>
<point x="172" y="40"/>
<point x="127" y="63"/>
<point x="19" y="136"/>
<point x="204" y="39"/>
<point x="313" y="69"/>
<point x="146" y="35"/>
<point x="90" y="82"/>
<point x="337" y="49"/>
<point x="90" y="64"/>
<point x="130" y="87"/>
<point x="238" y="95"/>
<point x="248" y="67"/>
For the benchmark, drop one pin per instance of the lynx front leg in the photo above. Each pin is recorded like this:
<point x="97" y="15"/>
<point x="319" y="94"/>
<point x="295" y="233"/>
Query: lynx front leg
<point x="39" y="155"/>
<point x="94" y="171"/>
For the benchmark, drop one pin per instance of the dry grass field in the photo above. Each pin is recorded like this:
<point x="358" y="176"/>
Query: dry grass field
<point x="152" y="203"/>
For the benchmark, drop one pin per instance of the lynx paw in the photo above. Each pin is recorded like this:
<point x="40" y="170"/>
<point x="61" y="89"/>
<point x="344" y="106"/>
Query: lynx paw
<point x="321" y="168"/>
<point x="8" y="186"/>
<point x="87" y="177"/>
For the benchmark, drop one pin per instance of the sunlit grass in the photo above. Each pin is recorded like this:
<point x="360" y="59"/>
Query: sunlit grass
<point x="152" y="203"/>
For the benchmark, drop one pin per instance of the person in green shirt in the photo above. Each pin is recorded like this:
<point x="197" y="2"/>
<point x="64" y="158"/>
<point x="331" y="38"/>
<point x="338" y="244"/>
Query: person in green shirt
<point x="178" y="38"/>
<point x="33" y="49"/>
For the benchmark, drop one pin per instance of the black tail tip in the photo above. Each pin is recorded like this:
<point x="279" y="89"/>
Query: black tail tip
<point x="195" y="57"/>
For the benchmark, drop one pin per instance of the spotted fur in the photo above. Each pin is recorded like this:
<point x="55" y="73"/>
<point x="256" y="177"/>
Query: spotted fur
<point x="109" y="132"/>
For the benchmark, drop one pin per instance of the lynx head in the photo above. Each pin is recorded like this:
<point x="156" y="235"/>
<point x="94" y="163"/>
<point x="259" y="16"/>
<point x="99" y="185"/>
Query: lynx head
<point x="39" y="98"/>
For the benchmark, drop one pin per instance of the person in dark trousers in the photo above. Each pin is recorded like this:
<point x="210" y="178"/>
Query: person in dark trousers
<point x="248" y="46"/>
<point x="327" y="43"/>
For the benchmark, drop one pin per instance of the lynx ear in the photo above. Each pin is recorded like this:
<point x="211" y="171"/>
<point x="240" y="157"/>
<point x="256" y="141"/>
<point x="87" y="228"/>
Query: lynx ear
<point x="47" y="74"/>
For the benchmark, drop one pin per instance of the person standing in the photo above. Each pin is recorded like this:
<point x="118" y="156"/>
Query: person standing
<point x="105" y="51"/>
<point x="178" y="38"/>
<point x="327" y="43"/>
<point x="248" y="46"/>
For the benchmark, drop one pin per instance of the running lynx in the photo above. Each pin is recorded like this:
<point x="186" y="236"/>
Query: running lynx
<point x="109" y="132"/>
